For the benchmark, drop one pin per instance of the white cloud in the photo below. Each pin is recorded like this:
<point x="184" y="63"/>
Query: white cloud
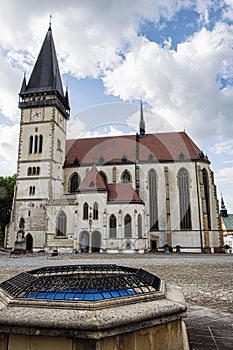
<point x="75" y="128"/>
<point x="91" y="37"/>
<point x="181" y="85"/>
<point x="10" y="82"/>
<point x="8" y="149"/>
<point x="228" y="10"/>
<point x="223" y="148"/>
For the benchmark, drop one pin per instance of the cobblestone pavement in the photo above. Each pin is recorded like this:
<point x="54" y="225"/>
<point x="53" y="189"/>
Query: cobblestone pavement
<point x="206" y="280"/>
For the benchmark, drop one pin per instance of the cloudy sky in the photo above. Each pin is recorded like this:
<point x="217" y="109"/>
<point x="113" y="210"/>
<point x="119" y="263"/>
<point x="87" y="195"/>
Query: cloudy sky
<point x="176" y="55"/>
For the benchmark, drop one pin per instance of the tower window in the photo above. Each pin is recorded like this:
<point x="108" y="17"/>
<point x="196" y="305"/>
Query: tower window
<point x="31" y="144"/>
<point x="35" y="144"/>
<point x="40" y="143"/>
<point x="59" y="145"/>
<point x="32" y="190"/>
<point x="33" y="171"/>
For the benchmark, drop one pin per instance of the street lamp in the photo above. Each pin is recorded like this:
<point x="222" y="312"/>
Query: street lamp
<point x="90" y="227"/>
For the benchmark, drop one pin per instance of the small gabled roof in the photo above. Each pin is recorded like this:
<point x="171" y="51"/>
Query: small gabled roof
<point x="45" y="76"/>
<point x="123" y="192"/>
<point x="93" y="182"/>
<point x="228" y="222"/>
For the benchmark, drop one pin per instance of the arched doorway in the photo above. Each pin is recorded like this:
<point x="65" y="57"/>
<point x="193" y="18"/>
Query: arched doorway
<point x="154" y="243"/>
<point x="84" y="242"/>
<point x="29" y="243"/>
<point x="96" y="242"/>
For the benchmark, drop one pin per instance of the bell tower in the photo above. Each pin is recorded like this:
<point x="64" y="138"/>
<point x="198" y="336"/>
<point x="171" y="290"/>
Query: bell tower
<point x="44" y="114"/>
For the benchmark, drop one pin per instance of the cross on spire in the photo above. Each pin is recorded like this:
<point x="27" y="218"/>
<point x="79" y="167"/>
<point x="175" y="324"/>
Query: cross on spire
<point x="50" y="20"/>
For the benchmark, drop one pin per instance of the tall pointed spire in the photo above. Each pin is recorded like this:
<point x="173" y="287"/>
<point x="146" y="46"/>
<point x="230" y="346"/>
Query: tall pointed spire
<point x="142" y="129"/>
<point x="45" y="76"/>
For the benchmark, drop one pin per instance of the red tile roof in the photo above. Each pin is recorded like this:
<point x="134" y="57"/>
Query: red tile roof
<point x="161" y="146"/>
<point x="122" y="192"/>
<point x="93" y="181"/>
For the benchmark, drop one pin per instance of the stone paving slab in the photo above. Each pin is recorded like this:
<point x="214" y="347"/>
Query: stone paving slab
<point x="206" y="281"/>
<point x="209" y="329"/>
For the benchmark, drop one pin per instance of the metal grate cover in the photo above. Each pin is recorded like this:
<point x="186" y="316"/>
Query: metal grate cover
<point x="81" y="282"/>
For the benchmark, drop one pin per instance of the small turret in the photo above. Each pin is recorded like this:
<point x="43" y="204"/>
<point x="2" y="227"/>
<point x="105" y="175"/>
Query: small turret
<point x="23" y="86"/>
<point x="223" y="210"/>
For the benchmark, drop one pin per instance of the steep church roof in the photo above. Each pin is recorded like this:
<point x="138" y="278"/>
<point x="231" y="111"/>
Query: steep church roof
<point x="45" y="76"/>
<point x="123" y="192"/>
<point x="171" y="146"/>
<point x="92" y="182"/>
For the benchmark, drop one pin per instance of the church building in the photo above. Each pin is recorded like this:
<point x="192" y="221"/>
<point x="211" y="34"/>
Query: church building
<point x="113" y="194"/>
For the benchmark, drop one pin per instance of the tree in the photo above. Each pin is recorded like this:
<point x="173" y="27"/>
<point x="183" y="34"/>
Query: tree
<point x="6" y="197"/>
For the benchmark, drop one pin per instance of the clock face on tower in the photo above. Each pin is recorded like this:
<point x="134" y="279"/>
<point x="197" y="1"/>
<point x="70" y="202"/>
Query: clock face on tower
<point x="36" y="115"/>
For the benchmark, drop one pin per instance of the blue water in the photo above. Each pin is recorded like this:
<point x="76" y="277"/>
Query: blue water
<point x="91" y="294"/>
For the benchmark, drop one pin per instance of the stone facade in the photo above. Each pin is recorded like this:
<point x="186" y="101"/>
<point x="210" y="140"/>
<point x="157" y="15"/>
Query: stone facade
<point x="47" y="163"/>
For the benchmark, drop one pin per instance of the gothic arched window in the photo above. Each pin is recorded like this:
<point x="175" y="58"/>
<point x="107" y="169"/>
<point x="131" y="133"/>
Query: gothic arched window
<point x="35" y="144"/>
<point x="207" y="196"/>
<point x="139" y="226"/>
<point x="126" y="178"/>
<point x="40" y="144"/>
<point x="128" y="226"/>
<point x="74" y="182"/>
<point x="184" y="196"/>
<point x="31" y="144"/>
<point x="95" y="211"/>
<point x="85" y="211"/>
<point x="61" y="224"/>
<point x="112" y="224"/>
<point x="154" y="225"/>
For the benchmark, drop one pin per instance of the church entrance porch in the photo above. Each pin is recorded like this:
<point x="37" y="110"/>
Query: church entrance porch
<point x="29" y="243"/>
<point x="84" y="242"/>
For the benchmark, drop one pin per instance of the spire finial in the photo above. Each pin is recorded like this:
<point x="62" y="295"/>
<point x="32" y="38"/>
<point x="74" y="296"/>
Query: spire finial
<point x="50" y="21"/>
<point x="142" y="122"/>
